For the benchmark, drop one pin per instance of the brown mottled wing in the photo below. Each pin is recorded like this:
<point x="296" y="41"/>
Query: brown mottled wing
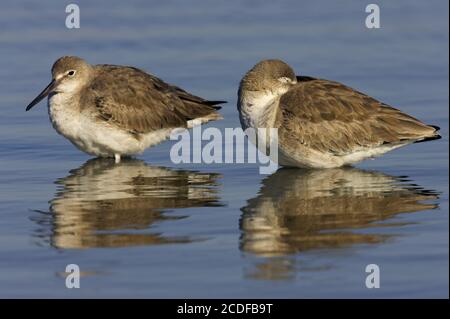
<point x="139" y="102"/>
<point x="330" y="117"/>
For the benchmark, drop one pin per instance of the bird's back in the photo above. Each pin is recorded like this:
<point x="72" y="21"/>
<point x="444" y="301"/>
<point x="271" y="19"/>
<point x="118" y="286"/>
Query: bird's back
<point x="330" y="117"/>
<point x="137" y="101"/>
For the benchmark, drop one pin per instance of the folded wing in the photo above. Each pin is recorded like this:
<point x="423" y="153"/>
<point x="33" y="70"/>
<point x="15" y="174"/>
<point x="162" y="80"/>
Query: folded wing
<point x="140" y="103"/>
<point x="327" y="116"/>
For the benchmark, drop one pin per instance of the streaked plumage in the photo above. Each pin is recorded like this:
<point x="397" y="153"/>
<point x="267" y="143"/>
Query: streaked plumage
<point x="323" y="123"/>
<point x="110" y="110"/>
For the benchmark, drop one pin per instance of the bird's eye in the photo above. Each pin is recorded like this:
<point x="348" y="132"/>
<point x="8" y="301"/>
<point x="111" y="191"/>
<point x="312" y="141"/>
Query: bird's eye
<point x="285" y="80"/>
<point x="71" y="73"/>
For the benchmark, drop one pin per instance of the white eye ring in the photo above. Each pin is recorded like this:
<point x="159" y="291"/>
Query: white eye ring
<point x="71" y="72"/>
<point x="285" y="79"/>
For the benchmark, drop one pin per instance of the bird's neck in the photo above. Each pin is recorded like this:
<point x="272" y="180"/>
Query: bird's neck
<point x="257" y="108"/>
<point x="64" y="113"/>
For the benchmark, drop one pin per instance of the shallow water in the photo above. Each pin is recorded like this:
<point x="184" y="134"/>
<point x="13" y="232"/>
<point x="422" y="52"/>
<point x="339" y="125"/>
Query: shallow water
<point x="150" y="228"/>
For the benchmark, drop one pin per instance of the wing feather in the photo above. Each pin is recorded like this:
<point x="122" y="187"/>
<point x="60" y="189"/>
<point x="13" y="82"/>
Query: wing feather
<point x="139" y="102"/>
<point x="327" y="116"/>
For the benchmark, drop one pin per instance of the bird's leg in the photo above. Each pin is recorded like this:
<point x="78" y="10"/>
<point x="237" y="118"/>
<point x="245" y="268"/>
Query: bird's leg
<point x="117" y="158"/>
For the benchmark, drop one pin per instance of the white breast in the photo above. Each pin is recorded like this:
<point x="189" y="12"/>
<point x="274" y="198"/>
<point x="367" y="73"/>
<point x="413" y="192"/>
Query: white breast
<point x="94" y="137"/>
<point x="252" y="106"/>
<point x="65" y="119"/>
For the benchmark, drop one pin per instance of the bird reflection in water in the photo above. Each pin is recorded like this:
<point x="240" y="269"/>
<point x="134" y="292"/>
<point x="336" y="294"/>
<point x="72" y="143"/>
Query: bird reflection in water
<point x="301" y="210"/>
<point x="102" y="204"/>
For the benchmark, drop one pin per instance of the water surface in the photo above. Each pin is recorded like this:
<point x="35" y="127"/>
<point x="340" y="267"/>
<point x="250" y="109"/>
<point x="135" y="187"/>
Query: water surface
<point x="150" y="228"/>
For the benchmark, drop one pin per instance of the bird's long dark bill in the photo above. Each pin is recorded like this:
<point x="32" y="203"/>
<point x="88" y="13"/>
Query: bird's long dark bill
<point x="41" y="95"/>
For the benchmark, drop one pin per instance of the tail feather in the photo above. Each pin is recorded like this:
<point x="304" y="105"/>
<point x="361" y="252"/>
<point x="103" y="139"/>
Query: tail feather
<point x="197" y="100"/>
<point x="430" y="138"/>
<point x="436" y="135"/>
<point x="437" y="128"/>
<point x="204" y="110"/>
<point x="214" y="104"/>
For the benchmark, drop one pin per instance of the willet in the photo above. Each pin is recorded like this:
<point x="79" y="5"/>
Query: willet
<point x="113" y="111"/>
<point x="321" y="123"/>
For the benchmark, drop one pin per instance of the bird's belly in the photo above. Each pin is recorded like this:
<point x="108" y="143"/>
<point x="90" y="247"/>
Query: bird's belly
<point x="370" y="153"/>
<point x="306" y="158"/>
<point x="97" y="137"/>
<point x="106" y="141"/>
<point x="101" y="140"/>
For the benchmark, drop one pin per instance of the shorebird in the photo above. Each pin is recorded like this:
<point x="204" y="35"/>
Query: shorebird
<point x="322" y="123"/>
<point x="113" y="111"/>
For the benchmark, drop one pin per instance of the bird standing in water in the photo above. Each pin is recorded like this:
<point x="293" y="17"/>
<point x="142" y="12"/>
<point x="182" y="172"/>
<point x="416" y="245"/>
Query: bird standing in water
<point x="113" y="111"/>
<point x="322" y="123"/>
